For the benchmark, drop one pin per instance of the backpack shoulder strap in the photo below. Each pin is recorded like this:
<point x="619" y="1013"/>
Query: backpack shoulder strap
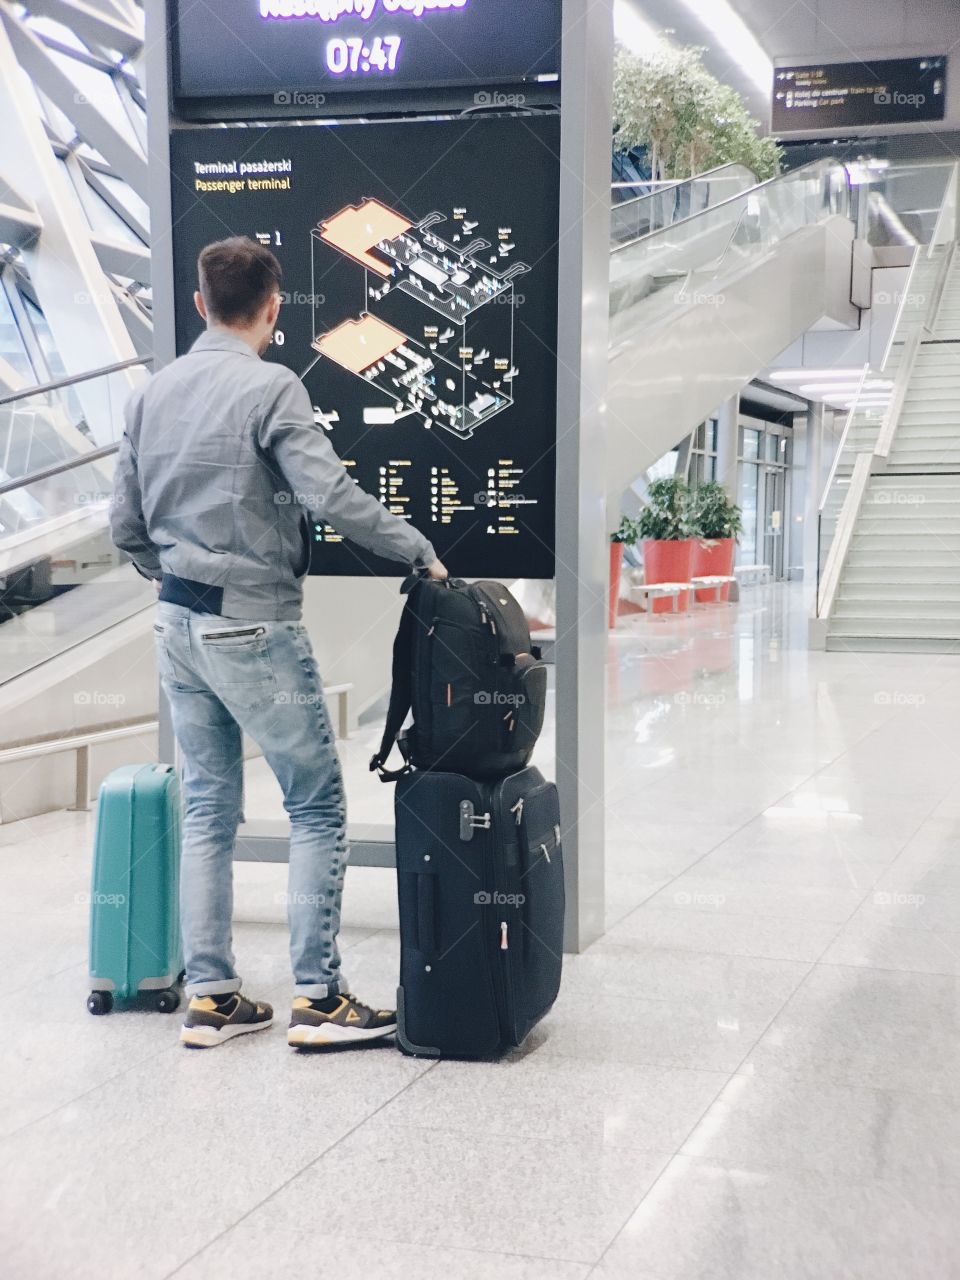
<point x="401" y="692"/>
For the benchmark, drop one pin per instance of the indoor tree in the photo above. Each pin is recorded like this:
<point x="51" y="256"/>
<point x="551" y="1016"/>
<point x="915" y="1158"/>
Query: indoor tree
<point x="668" y="103"/>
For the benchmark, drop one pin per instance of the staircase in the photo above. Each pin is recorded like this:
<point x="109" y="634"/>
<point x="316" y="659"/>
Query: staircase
<point x="900" y="585"/>
<point x="861" y="437"/>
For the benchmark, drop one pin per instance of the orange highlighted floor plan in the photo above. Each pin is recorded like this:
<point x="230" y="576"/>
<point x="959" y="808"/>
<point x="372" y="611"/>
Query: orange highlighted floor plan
<point x="356" y="231"/>
<point x="434" y="338"/>
<point x="357" y="344"/>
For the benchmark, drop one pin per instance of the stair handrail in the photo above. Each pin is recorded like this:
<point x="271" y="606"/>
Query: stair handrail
<point x="74" y="379"/>
<point x="843" y="437"/>
<point x="865" y="462"/>
<point x="843" y="534"/>
<point x="901" y="383"/>
<point x="945" y="229"/>
<point x="905" y="294"/>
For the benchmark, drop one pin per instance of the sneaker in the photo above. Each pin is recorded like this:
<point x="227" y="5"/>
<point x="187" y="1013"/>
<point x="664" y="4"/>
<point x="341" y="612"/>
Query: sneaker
<point x="213" y="1019"/>
<point x="337" y="1020"/>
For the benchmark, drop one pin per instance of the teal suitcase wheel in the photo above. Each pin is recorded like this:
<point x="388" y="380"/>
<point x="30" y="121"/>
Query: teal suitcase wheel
<point x="167" y="1001"/>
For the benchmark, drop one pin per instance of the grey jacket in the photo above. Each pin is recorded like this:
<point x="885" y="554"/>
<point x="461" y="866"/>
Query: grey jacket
<point x="220" y="462"/>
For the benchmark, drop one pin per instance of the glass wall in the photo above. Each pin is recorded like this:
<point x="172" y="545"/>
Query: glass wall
<point x="764" y="494"/>
<point x="703" y="454"/>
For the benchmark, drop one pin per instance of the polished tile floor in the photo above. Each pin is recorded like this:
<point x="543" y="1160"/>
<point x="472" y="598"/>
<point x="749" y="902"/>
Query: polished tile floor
<point x="753" y="1076"/>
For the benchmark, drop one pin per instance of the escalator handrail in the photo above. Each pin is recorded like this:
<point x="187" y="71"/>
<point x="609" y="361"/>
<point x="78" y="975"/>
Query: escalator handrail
<point x="684" y="182"/>
<point x="58" y="468"/>
<point x="74" y="379"/>
<point x="826" y="165"/>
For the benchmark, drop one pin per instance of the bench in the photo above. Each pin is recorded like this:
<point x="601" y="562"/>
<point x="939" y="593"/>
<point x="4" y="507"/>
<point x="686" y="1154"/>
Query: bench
<point x="658" y="591"/>
<point x="712" y="582"/>
<point x="750" y="573"/>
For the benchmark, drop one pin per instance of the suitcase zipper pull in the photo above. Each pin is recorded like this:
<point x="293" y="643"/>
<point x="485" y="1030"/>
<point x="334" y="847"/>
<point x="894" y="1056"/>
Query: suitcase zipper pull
<point x="546" y="852"/>
<point x="504" y="944"/>
<point x="518" y="810"/>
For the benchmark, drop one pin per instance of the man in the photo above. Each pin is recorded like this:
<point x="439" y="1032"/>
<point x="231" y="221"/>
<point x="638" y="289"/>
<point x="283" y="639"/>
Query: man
<point x="220" y="457"/>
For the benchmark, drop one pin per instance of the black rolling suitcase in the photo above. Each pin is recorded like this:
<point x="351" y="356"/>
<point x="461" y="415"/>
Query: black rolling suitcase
<point x="480" y="876"/>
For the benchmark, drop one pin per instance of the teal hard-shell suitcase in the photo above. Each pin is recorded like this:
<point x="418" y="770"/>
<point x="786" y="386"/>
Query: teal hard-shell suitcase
<point x="134" y="915"/>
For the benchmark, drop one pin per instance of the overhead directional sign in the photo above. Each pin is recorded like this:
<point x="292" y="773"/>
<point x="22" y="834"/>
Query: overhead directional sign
<point x="842" y="95"/>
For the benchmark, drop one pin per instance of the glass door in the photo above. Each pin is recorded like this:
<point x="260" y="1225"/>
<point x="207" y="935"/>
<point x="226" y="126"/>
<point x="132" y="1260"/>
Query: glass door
<point x="774" y="492"/>
<point x="764" y="494"/>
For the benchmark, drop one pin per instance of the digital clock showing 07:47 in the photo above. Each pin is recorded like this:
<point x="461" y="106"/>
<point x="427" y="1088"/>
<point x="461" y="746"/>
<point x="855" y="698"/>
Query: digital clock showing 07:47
<point x="353" y="55"/>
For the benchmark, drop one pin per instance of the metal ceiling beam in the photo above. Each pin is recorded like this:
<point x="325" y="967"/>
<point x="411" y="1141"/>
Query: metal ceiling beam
<point x="74" y="294"/>
<point x="106" y="193"/>
<point x="139" y="326"/>
<point x="97" y="24"/>
<point x="10" y="380"/>
<point x="127" y="160"/>
<point x="17" y="226"/>
<point x="121" y="258"/>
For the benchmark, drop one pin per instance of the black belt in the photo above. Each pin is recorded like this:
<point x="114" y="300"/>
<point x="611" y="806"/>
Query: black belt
<point x="191" y="595"/>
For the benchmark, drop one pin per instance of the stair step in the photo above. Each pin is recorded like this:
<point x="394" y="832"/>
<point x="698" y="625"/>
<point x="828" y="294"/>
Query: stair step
<point x="907" y="598"/>
<point x="893" y="559"/>
<point x="891" y="644"/>
<point x="897" y="576"/>
<point x="898" y="520"/>
<point x="878" y="545"/>
<point x="907" y="628"/>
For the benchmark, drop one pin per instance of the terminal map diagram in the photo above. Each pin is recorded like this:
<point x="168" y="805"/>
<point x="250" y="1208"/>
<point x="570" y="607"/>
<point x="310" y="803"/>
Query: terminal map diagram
<point x="419" y="264"/>
<point x="434" y="330"/>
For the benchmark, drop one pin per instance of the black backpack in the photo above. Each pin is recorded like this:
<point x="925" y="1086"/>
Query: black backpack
<point x="463" y="661"/>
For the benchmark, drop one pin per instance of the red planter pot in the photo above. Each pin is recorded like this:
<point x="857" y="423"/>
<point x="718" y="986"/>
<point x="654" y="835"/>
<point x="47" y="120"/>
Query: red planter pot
<point x="713" y="557"/>
<point x="667" y="562"/>
<point x="616" y="569"/>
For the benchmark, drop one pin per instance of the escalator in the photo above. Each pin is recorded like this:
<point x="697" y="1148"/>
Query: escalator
<point x="62" y="583"/>
<point x="699" y="306"/>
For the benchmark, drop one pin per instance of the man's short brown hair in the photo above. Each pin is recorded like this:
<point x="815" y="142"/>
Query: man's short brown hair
<point x="237" y="276"/>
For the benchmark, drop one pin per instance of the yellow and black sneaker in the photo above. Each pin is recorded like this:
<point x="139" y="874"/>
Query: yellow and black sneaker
<point x="337" y="1020"/>
<point x="213" y="1019"/>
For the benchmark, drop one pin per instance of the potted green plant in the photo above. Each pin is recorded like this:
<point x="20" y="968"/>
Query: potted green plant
<point x="625" y="534"/>
<point x="664" y="529"/>
<point x="716" y="523"/>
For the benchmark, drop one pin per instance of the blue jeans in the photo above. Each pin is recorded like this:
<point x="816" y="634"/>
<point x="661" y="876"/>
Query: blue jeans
<point x="225" y="677"/>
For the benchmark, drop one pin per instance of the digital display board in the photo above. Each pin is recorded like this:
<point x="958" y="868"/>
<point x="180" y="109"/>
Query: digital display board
<point x="420" y="310"/>
<point x="299" y="51"/>
<point x="841" y="95"/>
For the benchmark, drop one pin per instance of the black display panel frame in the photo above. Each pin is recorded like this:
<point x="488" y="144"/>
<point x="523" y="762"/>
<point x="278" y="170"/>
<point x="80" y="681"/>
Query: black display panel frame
<point x="273" y="68"/>
<point x="862" y="94"/>
<point x="455" y="422"/>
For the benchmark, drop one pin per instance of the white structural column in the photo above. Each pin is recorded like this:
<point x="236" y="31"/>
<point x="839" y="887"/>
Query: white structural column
<point x="728" y="445"/>
<point x="582" y="523"/>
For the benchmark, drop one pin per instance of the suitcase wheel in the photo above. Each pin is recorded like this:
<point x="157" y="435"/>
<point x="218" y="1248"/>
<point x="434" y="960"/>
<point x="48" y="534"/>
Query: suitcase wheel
<point x="99" y="1002"/>
<point x="167" y="1001"/>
